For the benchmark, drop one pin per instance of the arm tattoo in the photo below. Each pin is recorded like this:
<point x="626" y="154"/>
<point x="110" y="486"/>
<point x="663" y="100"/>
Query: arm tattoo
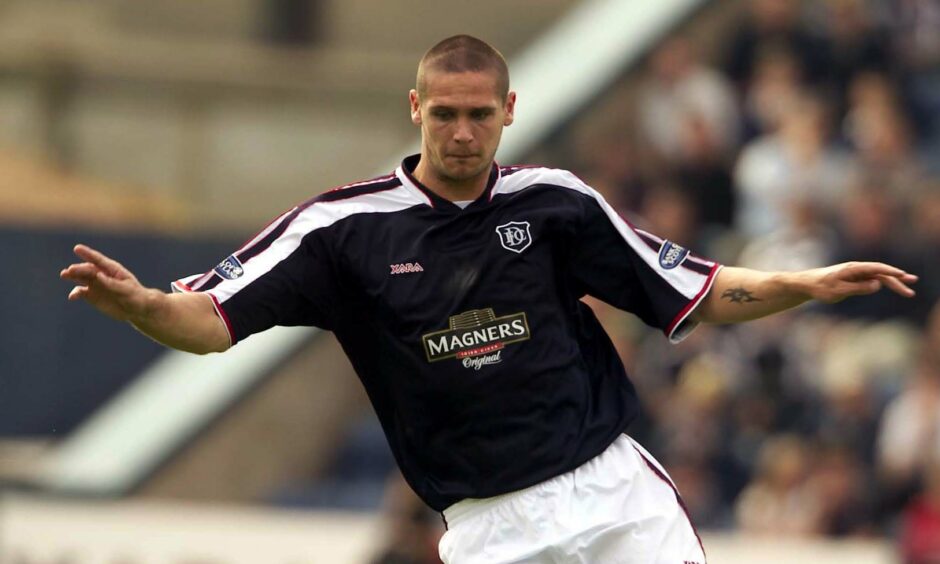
<point x="739" y="296"/>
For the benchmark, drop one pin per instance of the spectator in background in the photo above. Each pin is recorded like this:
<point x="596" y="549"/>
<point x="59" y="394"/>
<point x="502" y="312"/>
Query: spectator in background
<point x="931" y="346"/>
<point x="658" y="366"/>
<point x="925" y="220"/>
<point x="700" y="491"/>
<point x="681" y="97"/>
<point x="913" y="25"/>
<point x="694" y="426"/>
<point x="776" y="85"/>
<point x="688" y="114"/>
<point x="778" y="381"/>
<point x="909" y="435"/>
<point x="615" y="164"/>
<point x="877" y="129"/>
<point x="795" y="163"/>
<point x="920" y="534"/>
<point x="705" y="174"/>
<point x="855" y="44"/>
<point x="842" y="490"/>
<point x="804" y="240"/>
<point x="802" y="197"/>
<point x="671" y="213"/>
<point x="774" y="24"/>
<point x="848" y="416"/>
<point x="779" y="500"/>
<point x="870" y="229"/>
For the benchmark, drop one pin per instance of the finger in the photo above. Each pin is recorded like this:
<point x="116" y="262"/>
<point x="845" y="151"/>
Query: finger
<point x="870" y="286"/>
<point x="848" y="289"/>
<point x="77" y="293"/>
<point x="860" y="288"/>
<point x="80" y="279"/>
<point x="84" y="270"/>
<point x="107" y="264"/>
<point x="872" y="269"/>
<point x="897" y="286"/>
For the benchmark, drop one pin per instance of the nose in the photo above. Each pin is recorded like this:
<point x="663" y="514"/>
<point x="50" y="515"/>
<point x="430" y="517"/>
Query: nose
<point x="463" y="133"/>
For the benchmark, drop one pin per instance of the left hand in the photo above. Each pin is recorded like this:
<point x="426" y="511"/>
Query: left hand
<point x="835" y="283"/>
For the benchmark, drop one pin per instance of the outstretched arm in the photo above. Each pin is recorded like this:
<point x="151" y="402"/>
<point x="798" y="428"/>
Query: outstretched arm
<point x="741" y="294"/>
<point x="186" y="321"/>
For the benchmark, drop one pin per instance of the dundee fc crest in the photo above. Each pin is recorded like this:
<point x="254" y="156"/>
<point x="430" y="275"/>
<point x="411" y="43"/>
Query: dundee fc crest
<point x="514" y="236"/>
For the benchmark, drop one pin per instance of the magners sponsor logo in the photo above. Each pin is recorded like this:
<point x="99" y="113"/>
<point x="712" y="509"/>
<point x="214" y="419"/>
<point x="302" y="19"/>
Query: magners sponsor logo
<point x="475" y="333"/>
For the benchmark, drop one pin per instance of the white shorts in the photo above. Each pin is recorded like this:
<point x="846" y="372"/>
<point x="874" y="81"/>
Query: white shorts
<point x="618" y="508"/>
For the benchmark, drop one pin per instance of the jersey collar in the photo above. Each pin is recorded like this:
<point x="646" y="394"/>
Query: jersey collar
<point x="406" y="174"/>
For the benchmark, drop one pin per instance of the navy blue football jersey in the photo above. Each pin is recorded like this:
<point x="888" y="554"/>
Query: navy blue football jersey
<point x="466" y="325"/>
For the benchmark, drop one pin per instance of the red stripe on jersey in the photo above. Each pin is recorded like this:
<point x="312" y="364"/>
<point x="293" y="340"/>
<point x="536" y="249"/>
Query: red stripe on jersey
<point x="510" y="169"/>
<point x="352" y="191"/>
<point x="182" y="286"/>
<point x="261" y="240"/>
<point x="222" y="315"/>
<point x="201" y="281"/>
<point x="262" y="230"/>
<point x="289" y="215"/>
<point x="362" y="182"/>
<point x="693" y="302"/>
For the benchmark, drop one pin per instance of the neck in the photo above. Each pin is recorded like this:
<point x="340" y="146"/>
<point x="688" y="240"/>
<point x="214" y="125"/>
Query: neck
<point x="449" y="188"/>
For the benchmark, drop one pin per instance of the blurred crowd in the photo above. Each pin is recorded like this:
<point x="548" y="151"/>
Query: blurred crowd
<point x="815" y="139"/>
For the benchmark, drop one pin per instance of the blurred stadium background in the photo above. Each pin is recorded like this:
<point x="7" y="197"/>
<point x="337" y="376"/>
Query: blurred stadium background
<point x="768" y="133"/>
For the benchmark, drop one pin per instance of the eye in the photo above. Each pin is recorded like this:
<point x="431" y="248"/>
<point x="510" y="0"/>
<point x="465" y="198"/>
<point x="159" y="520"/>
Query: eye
<point x="443" y="114"/>
<point x="481" y="115"/>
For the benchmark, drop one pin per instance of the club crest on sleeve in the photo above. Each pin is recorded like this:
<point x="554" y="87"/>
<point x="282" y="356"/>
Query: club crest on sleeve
<point x="671" y="255"/>
<point x="230" y="268"/>
<point x="514" y="236"/>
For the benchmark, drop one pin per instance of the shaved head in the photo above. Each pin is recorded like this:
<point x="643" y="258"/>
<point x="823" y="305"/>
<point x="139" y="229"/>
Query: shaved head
<point x="463" y="53"/>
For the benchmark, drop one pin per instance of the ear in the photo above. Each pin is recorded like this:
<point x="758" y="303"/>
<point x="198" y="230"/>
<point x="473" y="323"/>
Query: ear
<point x="415" y="107"/>
<point x="509" y="108"/>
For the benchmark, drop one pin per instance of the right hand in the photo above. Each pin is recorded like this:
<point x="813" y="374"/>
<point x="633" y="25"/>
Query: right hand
<point x="835" y="283"/>
<point x="106" y="284"/>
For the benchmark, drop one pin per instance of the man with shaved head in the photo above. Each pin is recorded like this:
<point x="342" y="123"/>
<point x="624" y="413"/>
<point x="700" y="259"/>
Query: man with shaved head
<point x="454" y="285"/>
<point x="453" y="73"/>
<point x="463" y="53"/>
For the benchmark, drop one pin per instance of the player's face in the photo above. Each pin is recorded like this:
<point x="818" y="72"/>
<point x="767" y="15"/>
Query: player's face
<point x="461" y="116"/>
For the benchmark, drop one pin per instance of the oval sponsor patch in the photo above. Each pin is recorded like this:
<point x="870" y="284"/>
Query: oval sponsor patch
<point x="230" y="268"/>
<point x="671" y="255"/>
